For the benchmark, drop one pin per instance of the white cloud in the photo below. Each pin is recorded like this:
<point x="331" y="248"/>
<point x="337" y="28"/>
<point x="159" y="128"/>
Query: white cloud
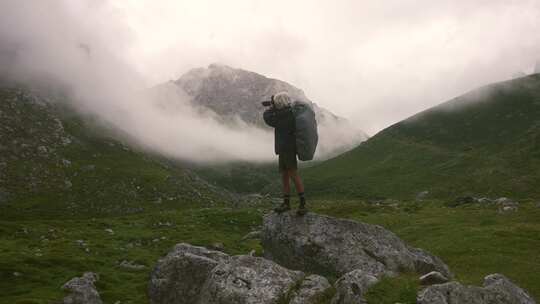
<point x="371" y="61"/>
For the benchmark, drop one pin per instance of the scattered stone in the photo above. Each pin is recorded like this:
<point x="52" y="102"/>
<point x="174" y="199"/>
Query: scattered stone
<point x="178" y="278"/>
<point x="66" y="163"/>
<point x="497" y="289"/>
<point x="17" y="274"/>
<point x="350" y="288"/>
<point x="162" y="224"/>
<point x="131" y="265"/>
<point x="484" y="200"/>
<point x="422" y="195"/>
<point x="67" y="184"/>
<point x="247" y="279"/>
<point x="504" y="201"/>
<point x="42" y="149"/>
<point x="433" y="277"/>
<point x="311" y="290"/>
<point x="507" y="209"/>
<point x="506" y="205"/>
<point x="82" y="290"/>
<point x="253" y="235"/>
<point x="325" y="245"/>
<point x="109" y="230"/>
<point x="66" y="141"/>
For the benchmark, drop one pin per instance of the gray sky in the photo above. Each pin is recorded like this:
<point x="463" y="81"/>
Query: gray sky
<point x="374" y="62"/>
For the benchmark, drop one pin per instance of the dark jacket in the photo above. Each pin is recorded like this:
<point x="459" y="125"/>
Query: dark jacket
<point x="284" y="129"/>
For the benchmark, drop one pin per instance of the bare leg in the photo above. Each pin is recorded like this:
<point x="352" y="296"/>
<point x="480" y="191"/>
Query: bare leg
<point x="286" y="183"/>
<point x="285" y="206"/>
<point x="297" y="181"/>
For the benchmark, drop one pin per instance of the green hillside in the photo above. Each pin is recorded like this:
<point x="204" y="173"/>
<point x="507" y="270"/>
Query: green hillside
<point x="55" y="163"/>
<point x="484" y="143"/>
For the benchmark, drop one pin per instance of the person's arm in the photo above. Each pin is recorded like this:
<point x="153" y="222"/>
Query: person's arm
<point x="269" y="117"/>
<point x="278" y="118"/>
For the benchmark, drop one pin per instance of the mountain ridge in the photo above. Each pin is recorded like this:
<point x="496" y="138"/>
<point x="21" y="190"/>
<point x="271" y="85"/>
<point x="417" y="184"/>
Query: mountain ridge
<point x="485" y="142"/>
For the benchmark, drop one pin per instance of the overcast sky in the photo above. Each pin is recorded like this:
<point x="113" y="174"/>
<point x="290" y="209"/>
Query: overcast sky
<point x="374" y="62"/>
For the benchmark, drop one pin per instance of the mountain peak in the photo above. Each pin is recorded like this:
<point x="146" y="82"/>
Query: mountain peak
<point x="235" y="93"/>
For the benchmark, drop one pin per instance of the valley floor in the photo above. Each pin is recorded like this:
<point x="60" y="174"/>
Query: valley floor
<point x="37" y="256"/>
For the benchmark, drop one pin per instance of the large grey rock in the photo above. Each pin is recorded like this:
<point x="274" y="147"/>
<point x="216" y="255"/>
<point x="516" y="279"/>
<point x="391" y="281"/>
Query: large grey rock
<point x="326" y="245"/>
<point x="249" y="280"/>
<point x="311" y="291"/>
<point x="351" y="287"/>
<point x="179" y="276"/>
<point x="82" y="290"/>
<point x="497" y="289"/>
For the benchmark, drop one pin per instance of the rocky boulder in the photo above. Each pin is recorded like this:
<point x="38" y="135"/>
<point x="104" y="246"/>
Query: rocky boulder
<point x="82" y="290"/>
<point x="497" y="289"/>
<point x="326" y="245"/>
<point x="179" y="276"/>
<point x="246" y="279"/>
<point x="196" y="275"/>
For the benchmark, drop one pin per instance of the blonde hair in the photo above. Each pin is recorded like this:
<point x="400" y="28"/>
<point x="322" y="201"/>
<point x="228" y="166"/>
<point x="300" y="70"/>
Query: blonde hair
<point x="282" y="100"/>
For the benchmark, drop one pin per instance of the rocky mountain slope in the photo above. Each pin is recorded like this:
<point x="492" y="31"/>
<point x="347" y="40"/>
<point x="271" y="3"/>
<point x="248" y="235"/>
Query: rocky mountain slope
<point x="485" y="143"/>
<point x="236" y="94"/>
<point x="54" y="162"/>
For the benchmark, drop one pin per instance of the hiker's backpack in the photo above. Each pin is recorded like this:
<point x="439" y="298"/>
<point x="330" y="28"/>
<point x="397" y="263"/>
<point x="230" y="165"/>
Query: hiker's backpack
<point x="306" y="130"/>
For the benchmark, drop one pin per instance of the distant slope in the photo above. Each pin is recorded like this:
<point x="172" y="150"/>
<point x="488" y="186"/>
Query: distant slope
<point x="52" y="162"/>
<point x="486" y="142"/>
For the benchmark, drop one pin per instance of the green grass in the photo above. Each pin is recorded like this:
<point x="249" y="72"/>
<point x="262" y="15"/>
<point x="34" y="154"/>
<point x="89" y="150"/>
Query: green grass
<point x="484" y="143"/>
<point x="474" y="241"/>
<point x="47" y="264"/>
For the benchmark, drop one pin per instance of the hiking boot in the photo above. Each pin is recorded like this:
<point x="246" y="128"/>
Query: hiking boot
<point x="285" y="206"/>
<point x="302" y="208"/>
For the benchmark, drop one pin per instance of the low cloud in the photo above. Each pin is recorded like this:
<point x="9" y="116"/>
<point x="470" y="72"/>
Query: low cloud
<point x="45" y="42"/>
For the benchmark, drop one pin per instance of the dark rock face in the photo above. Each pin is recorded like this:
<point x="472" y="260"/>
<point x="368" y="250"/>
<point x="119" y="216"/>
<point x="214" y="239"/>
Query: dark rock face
<point x="247" y="279"/>
<point x="497" y="289"/>
<point x="82" y="290"/>
<point x="326" y="245"/>
<point x="179" y="276"/>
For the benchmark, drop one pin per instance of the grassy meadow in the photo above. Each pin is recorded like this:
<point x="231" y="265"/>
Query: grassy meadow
<point x="38" y="255"/>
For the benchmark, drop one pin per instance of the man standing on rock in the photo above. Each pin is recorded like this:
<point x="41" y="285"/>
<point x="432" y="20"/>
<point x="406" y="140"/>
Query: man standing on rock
<point x="281" y="117"/>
